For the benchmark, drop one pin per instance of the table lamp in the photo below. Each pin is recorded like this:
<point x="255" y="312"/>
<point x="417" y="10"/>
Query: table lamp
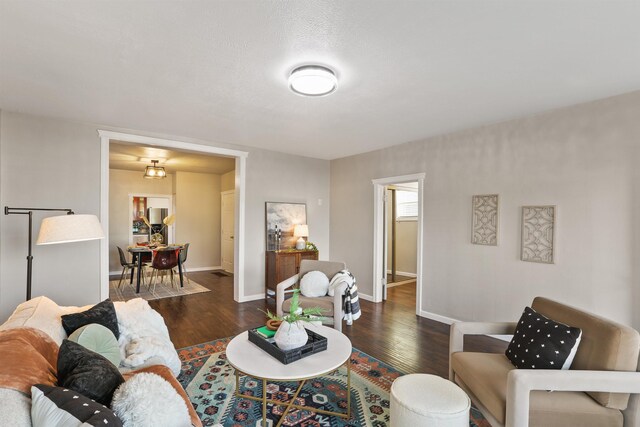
<point x="301" y="231"/>
<point x="58" y="229"/>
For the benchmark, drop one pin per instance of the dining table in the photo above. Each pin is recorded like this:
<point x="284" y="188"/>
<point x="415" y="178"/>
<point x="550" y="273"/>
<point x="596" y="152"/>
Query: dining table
<point x="138" y="251"/>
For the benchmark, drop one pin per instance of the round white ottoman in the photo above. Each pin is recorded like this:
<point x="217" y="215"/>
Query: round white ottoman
<point x="428" y="400"/>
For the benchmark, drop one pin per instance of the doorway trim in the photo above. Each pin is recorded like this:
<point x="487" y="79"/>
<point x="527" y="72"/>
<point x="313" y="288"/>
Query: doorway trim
<point x="379" y="186"/>
<point x="240" y="182"/>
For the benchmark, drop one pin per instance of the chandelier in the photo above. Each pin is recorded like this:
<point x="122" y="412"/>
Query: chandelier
<point x="155" y="171"/>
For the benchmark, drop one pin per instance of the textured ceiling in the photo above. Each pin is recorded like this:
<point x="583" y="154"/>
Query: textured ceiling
<point x="217" y="70"/>
<point x="136" y="158"/>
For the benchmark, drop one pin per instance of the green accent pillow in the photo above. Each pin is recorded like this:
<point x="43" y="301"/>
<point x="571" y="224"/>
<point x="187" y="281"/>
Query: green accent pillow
<point x="99" y="339"/>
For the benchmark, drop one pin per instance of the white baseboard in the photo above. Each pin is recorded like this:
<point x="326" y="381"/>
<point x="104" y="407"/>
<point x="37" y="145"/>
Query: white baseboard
<point x="217" y="267"/>
<point x="403" y="273"/>
<point x="254" y="297"/>
<point x="365" y="297"/>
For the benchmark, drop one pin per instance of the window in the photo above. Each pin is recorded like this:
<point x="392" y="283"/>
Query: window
<point x="406" y="205"/>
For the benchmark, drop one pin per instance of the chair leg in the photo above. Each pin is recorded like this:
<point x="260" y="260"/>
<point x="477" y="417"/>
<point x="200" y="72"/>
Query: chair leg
<point x="184" y="274"/>
<point x="121" y="276"/>
<point x="154" y="280"/>
<point x="173" y="281"/>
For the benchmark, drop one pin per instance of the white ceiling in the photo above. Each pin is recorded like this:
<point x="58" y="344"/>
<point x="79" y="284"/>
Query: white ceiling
<point x="217" y="70"/>
<point x="137" y="158"/>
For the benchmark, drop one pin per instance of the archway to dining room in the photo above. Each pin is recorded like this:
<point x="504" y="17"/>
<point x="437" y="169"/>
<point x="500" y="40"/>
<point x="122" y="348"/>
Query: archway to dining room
<point x="142" y="215"/>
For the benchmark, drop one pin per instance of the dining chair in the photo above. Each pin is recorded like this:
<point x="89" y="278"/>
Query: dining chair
<point x="125" y="265"/>
<point x="183" y="258"/>
<point x="163" y="260"/>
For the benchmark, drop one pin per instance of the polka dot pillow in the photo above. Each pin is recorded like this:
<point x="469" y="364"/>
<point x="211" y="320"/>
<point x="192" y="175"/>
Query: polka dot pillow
<point x="542" y="343"/>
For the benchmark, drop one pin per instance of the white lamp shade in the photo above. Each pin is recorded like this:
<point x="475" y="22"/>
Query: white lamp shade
<point x="301" y="230"/>
<point x="69" y="228"/>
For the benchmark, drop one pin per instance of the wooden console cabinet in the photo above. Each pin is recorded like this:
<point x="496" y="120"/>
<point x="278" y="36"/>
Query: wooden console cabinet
<point x="281" y="265"/>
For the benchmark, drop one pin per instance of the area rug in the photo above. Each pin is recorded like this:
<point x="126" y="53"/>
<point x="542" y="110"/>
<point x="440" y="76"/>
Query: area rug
<point x="210" y="383"/>
<point x="162" y="290"/>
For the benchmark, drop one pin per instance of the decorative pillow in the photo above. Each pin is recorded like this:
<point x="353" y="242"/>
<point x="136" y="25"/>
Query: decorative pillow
<point x="314" y="284"/>
<point x="97" y="338"/>
<point x="43" y="314"/>
<point x="102" y="313"/>
<point x="164" y="372"/>
<point x="58" y="406"/>
<point x="87" y="372"/>
<point x="542" y="343"/>
<point x="28" y="356"/>
<point x="136" y="406"/>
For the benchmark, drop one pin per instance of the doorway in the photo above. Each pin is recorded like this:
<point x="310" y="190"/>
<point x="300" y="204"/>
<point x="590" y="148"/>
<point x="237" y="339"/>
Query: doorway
<point x="401" y="234"/>
<point x="239" y="157"/>
<point x="381" y="225"/>
<point x="227" y="220"/>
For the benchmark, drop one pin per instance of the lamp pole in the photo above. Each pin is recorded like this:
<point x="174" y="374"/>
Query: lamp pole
<point x="29" y="213"/>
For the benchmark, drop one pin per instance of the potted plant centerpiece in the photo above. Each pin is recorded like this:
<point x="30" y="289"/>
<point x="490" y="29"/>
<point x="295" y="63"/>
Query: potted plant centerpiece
<point x="291" y="333"/>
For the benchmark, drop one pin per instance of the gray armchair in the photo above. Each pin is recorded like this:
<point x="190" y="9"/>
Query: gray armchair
<point x="594" y="392"/>
<point x="331" y="305"/>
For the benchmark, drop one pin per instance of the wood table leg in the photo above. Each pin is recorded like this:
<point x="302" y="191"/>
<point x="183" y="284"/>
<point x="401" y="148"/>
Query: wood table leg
<point x="180" y="271"/>
<point x="139" y="273"/>
<point x="131" y="272"/>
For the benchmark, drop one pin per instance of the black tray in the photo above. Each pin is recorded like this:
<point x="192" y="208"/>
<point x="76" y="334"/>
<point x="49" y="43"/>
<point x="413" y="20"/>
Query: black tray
<point x="316" y="343"/>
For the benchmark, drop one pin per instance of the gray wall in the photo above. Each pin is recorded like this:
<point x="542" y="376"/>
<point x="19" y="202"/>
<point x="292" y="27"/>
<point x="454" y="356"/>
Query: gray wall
<point x="56" y="163"/>
<point x="278" y="177"/>
<point x="198" y="217"/>
<point x="53" y="164"/>
<point x="584" y="159"/>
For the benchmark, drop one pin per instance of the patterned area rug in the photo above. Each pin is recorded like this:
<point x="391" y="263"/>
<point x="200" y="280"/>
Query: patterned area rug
<point x="162" y="289"/>
<point x="210" y="382"/>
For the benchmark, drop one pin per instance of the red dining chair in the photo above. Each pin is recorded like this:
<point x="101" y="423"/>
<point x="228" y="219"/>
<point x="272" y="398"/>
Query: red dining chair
<point x="163" y="260"/>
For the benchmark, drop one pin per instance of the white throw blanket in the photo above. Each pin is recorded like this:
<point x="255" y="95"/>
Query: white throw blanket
<point x="144" y="335"/>
<point x="350" y="302"/>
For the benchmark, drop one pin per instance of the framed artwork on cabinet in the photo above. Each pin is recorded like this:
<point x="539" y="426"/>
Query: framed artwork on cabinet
<point x="280" y="219"/>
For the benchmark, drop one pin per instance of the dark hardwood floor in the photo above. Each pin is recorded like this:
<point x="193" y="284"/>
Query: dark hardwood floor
<point x="389" y="331"/>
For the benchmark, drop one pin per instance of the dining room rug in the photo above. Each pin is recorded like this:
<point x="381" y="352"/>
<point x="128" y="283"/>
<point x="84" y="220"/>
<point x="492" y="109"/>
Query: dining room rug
<point x="162" y="289"/>
<point x="210" y="383"/>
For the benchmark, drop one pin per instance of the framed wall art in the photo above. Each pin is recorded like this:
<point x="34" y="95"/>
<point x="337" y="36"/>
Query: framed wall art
<point x="280" y="218"/>
<point x="538" y="234"/>
<point x="484" y="224"/>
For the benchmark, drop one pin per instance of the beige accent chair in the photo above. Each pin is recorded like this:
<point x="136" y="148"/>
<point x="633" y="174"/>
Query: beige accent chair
<point x="331" y="306"/>
<point x="594" y="392"/>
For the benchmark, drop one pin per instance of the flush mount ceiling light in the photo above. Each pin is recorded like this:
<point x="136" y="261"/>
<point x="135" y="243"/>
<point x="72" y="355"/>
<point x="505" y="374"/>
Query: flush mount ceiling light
<point x="313" y="80"/>
<point x="155" y="171"/>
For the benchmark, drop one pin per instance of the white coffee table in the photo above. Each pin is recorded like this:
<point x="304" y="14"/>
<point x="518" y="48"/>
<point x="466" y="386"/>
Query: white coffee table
<point x="250" y="360"/>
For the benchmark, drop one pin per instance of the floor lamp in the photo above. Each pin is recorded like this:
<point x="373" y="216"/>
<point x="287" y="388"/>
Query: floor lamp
<point x="58" y="229"/>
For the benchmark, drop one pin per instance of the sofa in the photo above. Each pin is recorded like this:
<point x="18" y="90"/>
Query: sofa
<point x="32" y="337"/>
<point x="600" y="389"/>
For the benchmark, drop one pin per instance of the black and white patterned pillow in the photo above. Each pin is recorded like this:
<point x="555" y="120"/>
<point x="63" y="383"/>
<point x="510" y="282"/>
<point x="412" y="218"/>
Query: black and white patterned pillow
<point x="59" y="406"/>
<point x="542" y="343"/>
